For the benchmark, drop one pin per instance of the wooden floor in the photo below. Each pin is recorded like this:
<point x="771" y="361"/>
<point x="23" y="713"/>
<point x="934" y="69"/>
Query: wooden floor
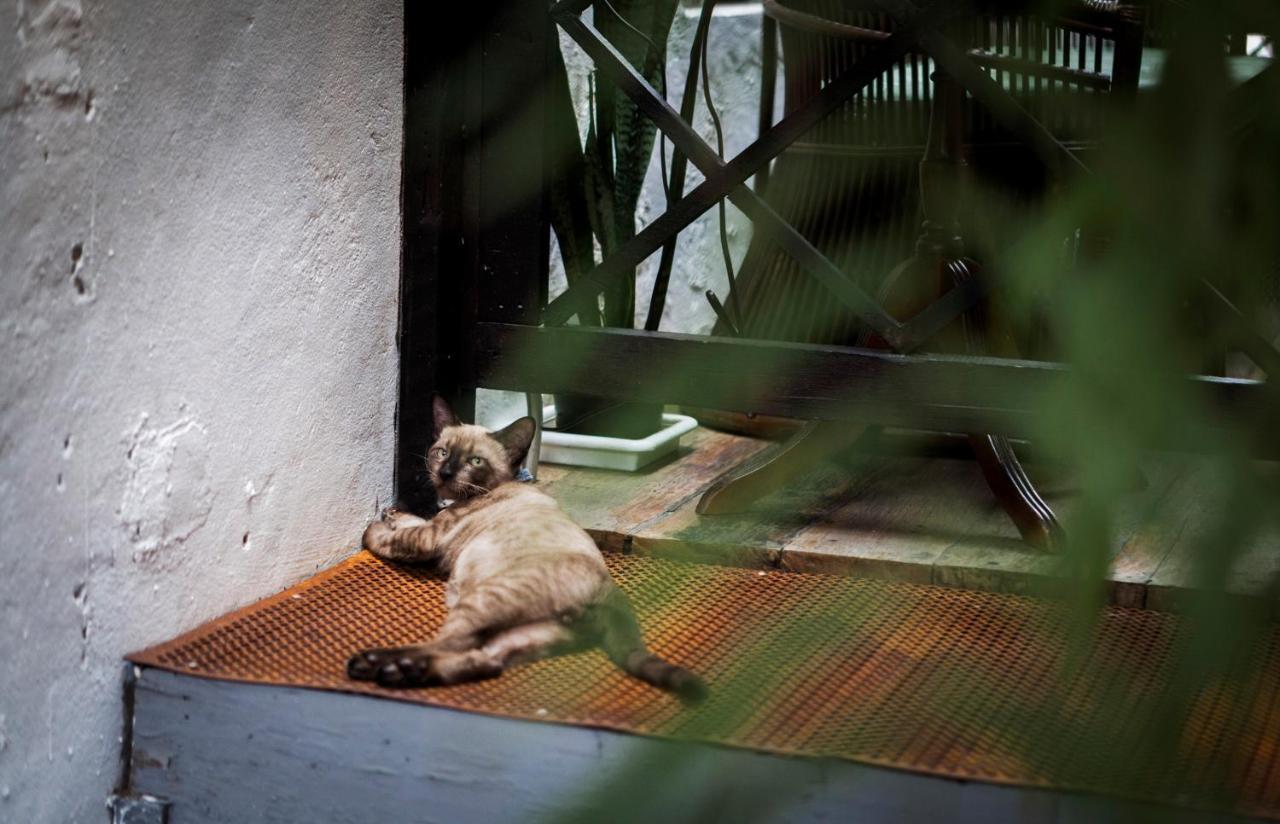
<point x="923" y="520"/>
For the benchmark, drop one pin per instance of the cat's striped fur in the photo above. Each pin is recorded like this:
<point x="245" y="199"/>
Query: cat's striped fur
<point x="525" y="581"/>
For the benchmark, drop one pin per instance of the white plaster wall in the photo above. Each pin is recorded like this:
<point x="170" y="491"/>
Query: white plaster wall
<point x="199" y="223"/>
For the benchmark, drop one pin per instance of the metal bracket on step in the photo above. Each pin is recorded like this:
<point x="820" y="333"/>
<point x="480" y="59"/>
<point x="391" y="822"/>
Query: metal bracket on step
<point x="138" y="809"/>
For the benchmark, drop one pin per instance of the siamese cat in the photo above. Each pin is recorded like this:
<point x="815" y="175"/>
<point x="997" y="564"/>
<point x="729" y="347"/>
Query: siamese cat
<point x="525" y="581"/>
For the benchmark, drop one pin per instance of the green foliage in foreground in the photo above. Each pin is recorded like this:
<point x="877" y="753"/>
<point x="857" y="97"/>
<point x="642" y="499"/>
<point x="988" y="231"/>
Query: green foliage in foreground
<point x="1186" y="190"/>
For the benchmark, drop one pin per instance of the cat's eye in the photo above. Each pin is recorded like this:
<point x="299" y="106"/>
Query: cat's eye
<point x="477" y="461"/>
<point x="441" y="451"/>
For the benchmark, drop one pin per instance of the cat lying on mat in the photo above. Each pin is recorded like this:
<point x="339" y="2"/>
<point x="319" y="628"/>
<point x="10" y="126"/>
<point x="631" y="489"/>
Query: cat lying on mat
<point x="525" y="581"/>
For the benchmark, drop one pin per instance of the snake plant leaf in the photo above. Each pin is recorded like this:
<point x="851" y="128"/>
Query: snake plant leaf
<point x="633" y="132"/>
<point x="594" y="188"/>
<point x="567" y="185"/>
<point x="600" y="203"/>
<point x="598" y="189"/>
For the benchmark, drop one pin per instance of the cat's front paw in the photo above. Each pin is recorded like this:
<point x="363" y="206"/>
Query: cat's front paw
<point x="399" y="519"/>
<point x="377" y="536"/>
<point x="393" y="667"/>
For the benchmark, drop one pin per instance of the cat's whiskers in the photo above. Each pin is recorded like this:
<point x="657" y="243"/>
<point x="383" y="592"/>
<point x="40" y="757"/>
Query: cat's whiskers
<point x="474" y="488"/>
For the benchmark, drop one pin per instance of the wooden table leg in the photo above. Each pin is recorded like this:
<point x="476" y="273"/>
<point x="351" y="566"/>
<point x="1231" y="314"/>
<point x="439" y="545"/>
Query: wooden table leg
<point x="1016" y="493"/>
<point x="1001" y="467"/>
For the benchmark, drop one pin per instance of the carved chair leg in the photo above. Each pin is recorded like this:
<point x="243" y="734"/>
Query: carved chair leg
<point x="774" y="467"/>
<point x="1001" y="467"/>
<point x="1016" y="493"/>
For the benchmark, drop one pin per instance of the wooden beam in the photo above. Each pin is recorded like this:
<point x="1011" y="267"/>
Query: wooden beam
<point x="436" y="304"/>
<point x="475" y="228"/>
<point x="513" y="223"/>
<point x="941" y="393"/>
<point x="726" y="179"/>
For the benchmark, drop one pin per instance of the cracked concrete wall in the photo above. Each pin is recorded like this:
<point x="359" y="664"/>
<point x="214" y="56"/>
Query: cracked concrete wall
<point x="199" y="228"/>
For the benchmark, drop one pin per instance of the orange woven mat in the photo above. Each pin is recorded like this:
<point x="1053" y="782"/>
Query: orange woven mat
<point x="972" y="685"/>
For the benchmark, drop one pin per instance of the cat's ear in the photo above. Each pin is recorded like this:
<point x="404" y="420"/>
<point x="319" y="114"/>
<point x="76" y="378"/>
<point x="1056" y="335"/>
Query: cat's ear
<point x="442" y="415"/>
<point x="516" y="439"/>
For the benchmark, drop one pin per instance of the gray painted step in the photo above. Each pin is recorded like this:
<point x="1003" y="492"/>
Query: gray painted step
<point x="228" y="752"/>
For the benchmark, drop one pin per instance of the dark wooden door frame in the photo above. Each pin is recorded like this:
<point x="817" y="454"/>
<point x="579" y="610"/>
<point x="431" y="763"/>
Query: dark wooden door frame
<point x="430" y="234"/>
<point x="475" y="237"/>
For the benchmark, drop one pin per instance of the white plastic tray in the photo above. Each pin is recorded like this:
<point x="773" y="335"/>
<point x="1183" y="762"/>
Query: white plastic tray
<point x="615" y="453"/>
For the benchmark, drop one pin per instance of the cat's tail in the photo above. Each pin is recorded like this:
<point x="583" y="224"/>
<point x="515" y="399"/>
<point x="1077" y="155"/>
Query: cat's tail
<point x="623" y="643"/>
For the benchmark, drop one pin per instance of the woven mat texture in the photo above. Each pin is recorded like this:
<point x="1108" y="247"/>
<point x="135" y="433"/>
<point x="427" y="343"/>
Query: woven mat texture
<point x="971" y="685"/>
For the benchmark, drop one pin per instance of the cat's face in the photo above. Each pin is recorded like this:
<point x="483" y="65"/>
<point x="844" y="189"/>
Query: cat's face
<point x="468" y="460"/>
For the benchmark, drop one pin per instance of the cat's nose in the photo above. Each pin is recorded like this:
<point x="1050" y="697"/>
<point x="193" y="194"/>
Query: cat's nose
<point x="447" y="471"/>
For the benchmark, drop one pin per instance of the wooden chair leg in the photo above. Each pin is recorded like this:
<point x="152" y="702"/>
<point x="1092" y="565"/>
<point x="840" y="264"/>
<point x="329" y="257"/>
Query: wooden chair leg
<point x="1016" y="493"/>
<point x="1001" y="467"/>
<point x="740" y="487"/>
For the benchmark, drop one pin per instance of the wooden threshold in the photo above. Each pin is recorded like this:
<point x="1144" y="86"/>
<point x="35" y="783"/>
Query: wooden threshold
<point x="924" y="520"/>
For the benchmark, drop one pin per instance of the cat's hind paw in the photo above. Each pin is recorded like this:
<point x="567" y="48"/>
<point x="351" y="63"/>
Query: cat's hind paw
<point x="393" y="667"/>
